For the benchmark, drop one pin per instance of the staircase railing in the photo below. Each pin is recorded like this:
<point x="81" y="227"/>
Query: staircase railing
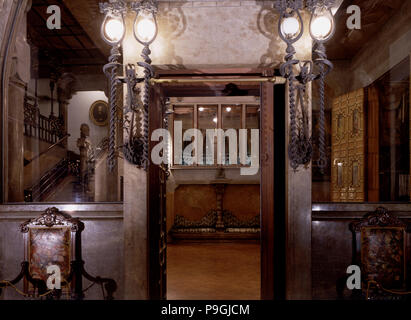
<point x="101" y="148"/>
<point x="47" y="150"/>
<point x="48" y="129"/>
<point x="47" y="182"/>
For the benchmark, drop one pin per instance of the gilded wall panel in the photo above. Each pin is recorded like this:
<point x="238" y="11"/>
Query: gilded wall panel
<point x="348" y="153"/>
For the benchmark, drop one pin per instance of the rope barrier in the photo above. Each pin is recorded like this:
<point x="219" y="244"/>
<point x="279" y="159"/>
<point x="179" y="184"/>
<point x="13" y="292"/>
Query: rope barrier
<point x="28" y="295"/>
<point x="384" y="289"/>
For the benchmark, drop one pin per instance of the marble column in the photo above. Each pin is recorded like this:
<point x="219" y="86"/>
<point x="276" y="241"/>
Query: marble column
<point x="135" y="233"/>
<point x="15" y="154"/>
<point x="135" y="203"/>
<point x="19" y="77"/>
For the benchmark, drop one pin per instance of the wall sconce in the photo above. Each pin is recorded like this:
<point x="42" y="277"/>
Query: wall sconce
<point x="145" y="31"/>
<point x="291" y="29"/>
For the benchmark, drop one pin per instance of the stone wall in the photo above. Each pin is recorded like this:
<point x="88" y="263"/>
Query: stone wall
<point x="216" y="34"/>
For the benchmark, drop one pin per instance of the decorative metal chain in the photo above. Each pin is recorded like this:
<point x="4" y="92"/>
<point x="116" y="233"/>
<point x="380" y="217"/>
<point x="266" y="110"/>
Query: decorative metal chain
<point x="148" y="74"/>
<point x="304" y="142"/>
<point x="110" y="69"/>
<point x="287" y="71"/>
<point x="322" y="161"/>
<point x="325" y="67"/>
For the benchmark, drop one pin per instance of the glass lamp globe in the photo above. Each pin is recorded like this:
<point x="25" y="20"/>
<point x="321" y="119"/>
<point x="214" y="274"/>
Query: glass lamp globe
<point x="290" y="27"/>
<point x="321" y="27"/>
<point x="145" y="28"/>
<point x="113" y="29"/>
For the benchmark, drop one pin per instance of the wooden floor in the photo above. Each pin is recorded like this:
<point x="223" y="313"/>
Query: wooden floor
<point x="216" y="271"/>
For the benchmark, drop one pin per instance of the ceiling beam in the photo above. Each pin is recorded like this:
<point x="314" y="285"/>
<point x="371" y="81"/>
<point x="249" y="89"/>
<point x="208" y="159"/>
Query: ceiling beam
<point x="88" y="15"/>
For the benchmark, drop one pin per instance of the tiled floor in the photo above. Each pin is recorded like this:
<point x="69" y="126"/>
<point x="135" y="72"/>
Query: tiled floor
<point x="201" y="271"/>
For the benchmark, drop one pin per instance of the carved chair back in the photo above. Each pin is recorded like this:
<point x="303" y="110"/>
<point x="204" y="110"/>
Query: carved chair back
<point x="53" y="238"/>
<point x="379" y="248"/>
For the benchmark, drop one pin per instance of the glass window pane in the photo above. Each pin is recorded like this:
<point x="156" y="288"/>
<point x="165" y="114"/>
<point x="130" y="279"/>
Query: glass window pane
<point x="252" y="121"/>
<point x="207" y="119"/>
<point x="232" y="119"/>
<point x="186" y="116"/>
<point x="231" y="116"/>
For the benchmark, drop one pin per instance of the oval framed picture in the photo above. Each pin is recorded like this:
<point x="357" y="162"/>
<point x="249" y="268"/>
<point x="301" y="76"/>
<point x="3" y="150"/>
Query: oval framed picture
<point x="99" y="113"/>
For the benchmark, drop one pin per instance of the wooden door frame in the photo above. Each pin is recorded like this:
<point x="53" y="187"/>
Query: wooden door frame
<point x="154" y="269"/>
<point x="272" y="192"/>
<point x="272" y="195"/>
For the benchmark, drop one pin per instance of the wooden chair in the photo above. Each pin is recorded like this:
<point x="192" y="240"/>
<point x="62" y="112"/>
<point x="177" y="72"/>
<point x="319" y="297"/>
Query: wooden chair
<point x="54" y="238"/>
<point x="379" y="248"/>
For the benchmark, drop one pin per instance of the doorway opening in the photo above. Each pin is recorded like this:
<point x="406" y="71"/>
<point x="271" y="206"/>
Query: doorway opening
<point x="219" y="241"/>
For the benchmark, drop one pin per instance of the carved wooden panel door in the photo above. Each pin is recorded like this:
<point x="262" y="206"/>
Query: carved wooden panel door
<point x="157" y="230"/>
<point x="348" y="148"/>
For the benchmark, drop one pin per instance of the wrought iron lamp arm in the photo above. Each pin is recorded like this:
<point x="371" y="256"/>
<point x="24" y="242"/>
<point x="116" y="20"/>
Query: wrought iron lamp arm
<point x="133" y="148"/>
